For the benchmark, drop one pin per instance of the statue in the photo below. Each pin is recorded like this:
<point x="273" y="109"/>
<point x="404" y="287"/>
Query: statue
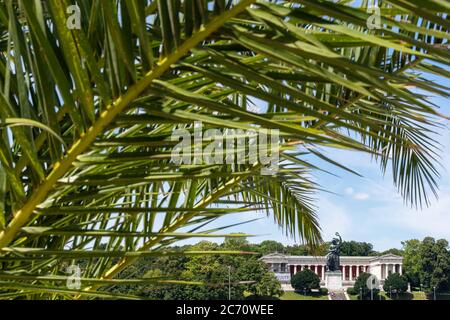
<point x="333" y="261"/>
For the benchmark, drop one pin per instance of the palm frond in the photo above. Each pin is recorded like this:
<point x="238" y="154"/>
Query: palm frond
<point x="116" y="90"/>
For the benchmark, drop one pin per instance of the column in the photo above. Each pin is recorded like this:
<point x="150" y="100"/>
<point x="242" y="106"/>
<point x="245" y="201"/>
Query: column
<point x="344" y="273"/>
<point x="357" y="271"/>
<point x="400" y="269"/>
<point x="351" y="273"/>
<point x="323" y="273"/>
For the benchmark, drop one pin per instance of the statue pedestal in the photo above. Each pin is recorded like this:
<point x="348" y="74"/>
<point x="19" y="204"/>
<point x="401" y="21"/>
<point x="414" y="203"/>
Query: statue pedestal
<point x="333" y="280"/>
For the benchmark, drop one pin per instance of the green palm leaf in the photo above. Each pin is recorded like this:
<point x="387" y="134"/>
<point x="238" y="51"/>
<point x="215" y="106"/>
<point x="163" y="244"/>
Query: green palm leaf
<point x="116" y="90"/>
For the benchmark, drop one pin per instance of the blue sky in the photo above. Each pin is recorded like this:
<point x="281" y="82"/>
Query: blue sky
<point x="369" y="208"/>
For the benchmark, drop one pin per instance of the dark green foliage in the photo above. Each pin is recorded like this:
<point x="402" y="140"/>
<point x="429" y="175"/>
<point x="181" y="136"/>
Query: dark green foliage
<point x="304" y="250"/>
<point x="427" y="264"/>
<point x="434" y="264"/>
<point x="305" y="280"/>
<point x="323" y="291"/>
<point x="115" y="89"/>
<point x="270" y="246"/>
<point x="395" y="283"/>
<point x="411" y="261"/>
<point x="351" y="291"/>
<point x="397" y="252"/>
<point x="212" y="270"/>
<point x="354" y="248"/>
<point x="361" y="289"/>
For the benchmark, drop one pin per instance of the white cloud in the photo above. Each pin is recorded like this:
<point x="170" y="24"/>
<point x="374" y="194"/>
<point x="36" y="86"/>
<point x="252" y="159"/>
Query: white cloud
<point x="357" y="196"/>
<point x="349" y="191"/>
<point x="433" y="221"/>
<point x="361" y="196"/>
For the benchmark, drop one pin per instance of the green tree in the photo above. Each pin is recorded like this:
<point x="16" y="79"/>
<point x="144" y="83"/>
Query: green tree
<point x="397" y="252"/>
<point x="305" y="280"/>
<point x="412" y="261"/>
<point x="250" y="268"/>
<point x="249" y="276"/>
<point x="354" y="248"/>
<point x="361" y="288"/>
<point x="268" y="286"/>
<point x="434" y="264"/>
<point x="210" y="270"/>
<point x="270" y="246"/>
<point x="298" y="250"/>
<point x="395" y="283"/>
<point x="241" y="243"/>
<point x="306" y="250"/>
<point x="92" y="114"/>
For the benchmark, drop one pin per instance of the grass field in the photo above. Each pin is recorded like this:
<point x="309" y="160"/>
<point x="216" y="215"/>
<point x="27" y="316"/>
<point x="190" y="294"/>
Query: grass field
<point x="415" y="295"/>
<point x="444" y="296"/>
<point x="297" y="296"/>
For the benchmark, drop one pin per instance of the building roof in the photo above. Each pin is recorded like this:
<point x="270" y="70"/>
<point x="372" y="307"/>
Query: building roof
<point x="283" y="258"/>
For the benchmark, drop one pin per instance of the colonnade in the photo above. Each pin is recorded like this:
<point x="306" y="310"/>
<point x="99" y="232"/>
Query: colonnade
<point x="349" y="272"/>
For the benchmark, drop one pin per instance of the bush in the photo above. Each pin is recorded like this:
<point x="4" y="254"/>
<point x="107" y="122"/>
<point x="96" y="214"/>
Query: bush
<point x="268" y="285"/>
<point x="305" y="279"/>
<point x="361" y="283"/>
<point x="396" y="283"/>
<point x="323" y="291"/>
<point x="351" y="291"/>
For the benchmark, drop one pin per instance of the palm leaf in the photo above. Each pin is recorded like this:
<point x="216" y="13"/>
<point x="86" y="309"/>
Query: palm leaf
<point x="116" y="90"/>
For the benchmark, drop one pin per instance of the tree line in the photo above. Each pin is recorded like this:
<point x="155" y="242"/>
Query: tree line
<point x="245" y="276"/>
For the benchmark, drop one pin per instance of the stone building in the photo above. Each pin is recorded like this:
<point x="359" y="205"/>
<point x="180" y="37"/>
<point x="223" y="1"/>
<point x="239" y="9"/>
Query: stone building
<point x="284" y="266"/>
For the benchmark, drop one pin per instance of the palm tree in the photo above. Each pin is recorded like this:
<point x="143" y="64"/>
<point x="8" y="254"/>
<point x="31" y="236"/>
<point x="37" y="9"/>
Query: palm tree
<point x="87" y="117"/>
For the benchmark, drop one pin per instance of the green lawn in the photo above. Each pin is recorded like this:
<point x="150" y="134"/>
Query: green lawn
<point x="444" y="296"/>
<point x="415" y="295"/>
<point x="297" y="296"/>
